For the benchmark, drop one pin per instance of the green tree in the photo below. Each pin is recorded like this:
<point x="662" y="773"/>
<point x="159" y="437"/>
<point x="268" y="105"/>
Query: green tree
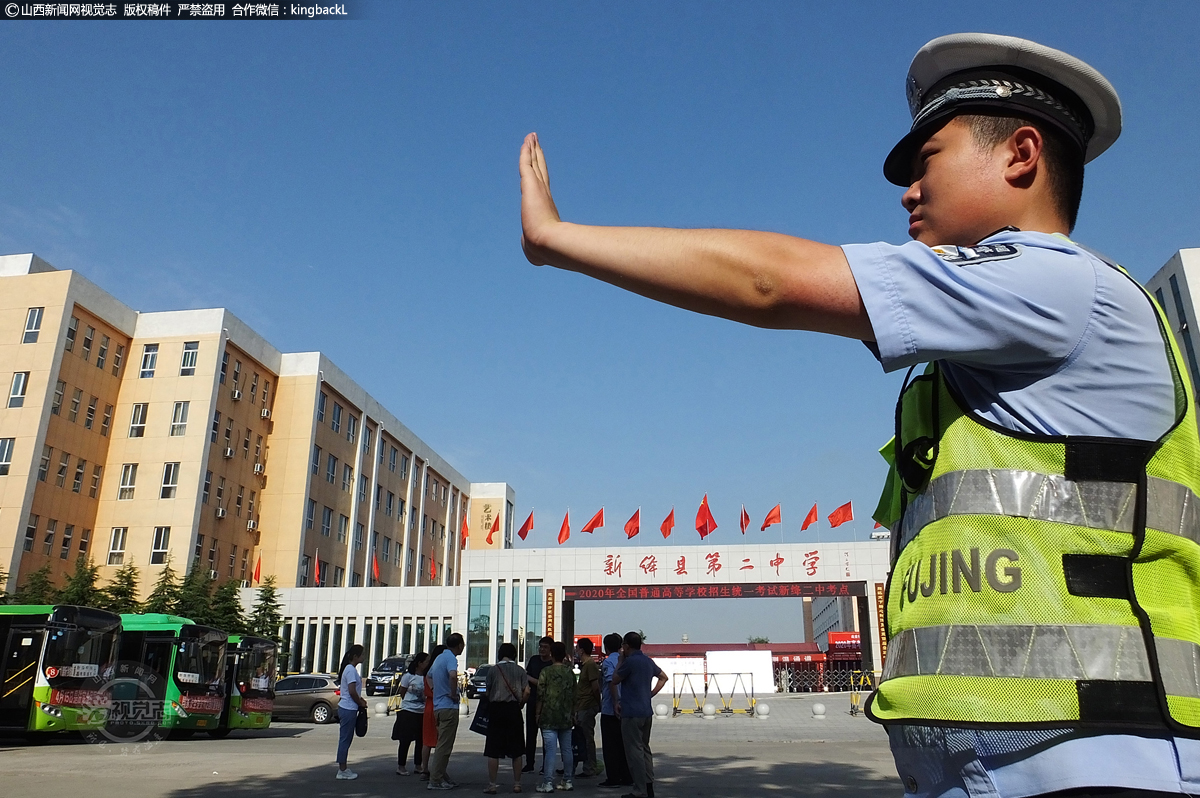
<point x="120" y="595"/>
<point x="38" y="589"/>
<point x="267" y="615"/>
<point x="165" y="595"/>
<point x="226" y="612"/>
<point x="80" y="588"/>
<point x="195" y="596"/>
<point x="758" y="640"/>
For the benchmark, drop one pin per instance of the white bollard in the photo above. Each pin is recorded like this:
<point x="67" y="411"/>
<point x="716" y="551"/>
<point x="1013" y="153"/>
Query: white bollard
<point x="380" y="708"/>
<point x="710" y="712"/>
<point x="464" y="708"/>
<point x="762" y="710"/>
<point x="661" y="711"/>
<point x="818" y="711"/>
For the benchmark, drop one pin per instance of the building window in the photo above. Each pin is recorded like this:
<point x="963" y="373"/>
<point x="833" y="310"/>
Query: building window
<point x="106" y="421"/>
<point x="237" y="373"/>
<point x="245" y="557"/>
<point x="68" y="534"/>
<point x="187" y="365"/>
<point x="6" y="454"/>
<point x="207" y="487"/>
<point x="238" y="501"/>
<point x="400" y="513"/>
<point x="128" y="481"/>
<point x="87" y="343"/>
<point x="387" y="549"/>
<point x="339" y="576"/>
<point x="351" y="428"/>
<point x="44" y="465"/>
<point x="326" y="521"/>
<point x="63" y="461"/>
<point x="378" y="498"/>
<point x="266" y="390"/>
<point x="20" y="384"/>
<point x="254" y="388"/>
<point x="392" y="459"/>
<point x="149" y="360"/>
<point x="137" y="420"/>
<point x="403" y="467"/>
<point x="308" y="516"/>
<point x="232" y="559"/>
<point x="359" y="532"/>
<point x="179" y="418"/>
<point x="220" y="491"/>
<point x="212" y="554"/>
<point x="94" y="490"/>
<point x="170" y="481"/>
<point x="316" y="459"/>
<point x="80" y="470"/>
<point x="304" y="566"/>
<point x="59" y="389"/>
<point x="76" y="398"/>
<point x="258" y="449"/>
<point x="356" y="579"/>
<point x="216" y="426"/>
<point x="229" y="434"/>
<point x="33" y="325"/>
<point x="224" y="366"/>
<point x="162" y="541"/>
<point x="321" y="400"/>
<point x="72" y="328"/>
<point x="391" y="499"/>
<point x="331" y="469"/>
<point x="48" y="541"/>
<point x="343" y="527"/>
<point x="362" y="487"/>
<point x="347" y="477"/>
<point x="246" y="445"/>
<point x="85" y="537"/>
<point x="250" y="506"/>
<point x="89" y="418"/>
<point x="336" y="422"/>
<point x="30" y="532"/>
<point x="408" y="563"/>
<point x="118" y="357"/>
<point x="102" y="353"/>
<point x="116" y="546"/>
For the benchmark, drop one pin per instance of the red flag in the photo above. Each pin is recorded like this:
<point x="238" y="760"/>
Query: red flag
<point x="258" y="569"/>
<point x="432" y="569"/>
<point x="526" y="527"/>
<point x="564" y="532"/>
<point x="810" y="519"/>
<point x="877" y="525"/>
<point x="745" y="520"/>
<point x="374" y="566"/>
<point x="842" y="514"/>
<point x="773" y="517"/>
<point x="634" y="524"/>
<point x="705" y="523"/>
<point x="597" y="522"/>
<point x="668" y="524"/>
<point x="465" y="535"/>
<point x="495" y="528"/>
<point x="317" y="572"/>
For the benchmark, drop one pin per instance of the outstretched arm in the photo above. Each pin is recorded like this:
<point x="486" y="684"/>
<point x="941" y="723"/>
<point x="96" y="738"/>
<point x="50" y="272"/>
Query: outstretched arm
<point x="763" y="279"/>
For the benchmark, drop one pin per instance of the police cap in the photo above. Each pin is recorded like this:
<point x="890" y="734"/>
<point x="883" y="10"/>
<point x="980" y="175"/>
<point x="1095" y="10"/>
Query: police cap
<point x="990" y="74"/>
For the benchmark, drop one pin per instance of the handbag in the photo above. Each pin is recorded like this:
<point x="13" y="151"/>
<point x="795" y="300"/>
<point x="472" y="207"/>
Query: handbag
<point x="360" y="723"/>
<point x="479" y="724"/>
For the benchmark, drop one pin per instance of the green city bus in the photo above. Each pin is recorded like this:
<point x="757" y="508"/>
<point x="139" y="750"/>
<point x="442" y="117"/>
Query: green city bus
<point x="189" y="663"/>
<point x="56" y="661"/>
<point x="249" y="684"/>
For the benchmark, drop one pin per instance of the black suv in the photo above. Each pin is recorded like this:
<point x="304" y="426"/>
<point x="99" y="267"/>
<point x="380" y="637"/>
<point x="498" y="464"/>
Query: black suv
<point x="477" y="684"/>
<point x="387" y="673"/>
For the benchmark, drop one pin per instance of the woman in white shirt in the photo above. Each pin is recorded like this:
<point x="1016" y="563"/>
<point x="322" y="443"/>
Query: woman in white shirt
<point x="351" y="683"/>
<point x="407" y="729"/>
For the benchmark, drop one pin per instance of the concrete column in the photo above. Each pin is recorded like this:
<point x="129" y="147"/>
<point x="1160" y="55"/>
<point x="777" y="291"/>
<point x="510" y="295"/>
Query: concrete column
<point x="408" y="508"/>
<point x="424" y="484"/>
<point x="808" y="621"/>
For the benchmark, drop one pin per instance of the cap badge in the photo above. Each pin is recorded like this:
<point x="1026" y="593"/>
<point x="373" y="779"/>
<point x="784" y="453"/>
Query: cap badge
<point x="913" y="91"/>
<point x="1003" y="91"/>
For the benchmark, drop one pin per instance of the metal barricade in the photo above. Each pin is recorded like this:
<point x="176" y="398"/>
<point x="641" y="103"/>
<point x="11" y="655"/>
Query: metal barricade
<point x="684" y="685"/>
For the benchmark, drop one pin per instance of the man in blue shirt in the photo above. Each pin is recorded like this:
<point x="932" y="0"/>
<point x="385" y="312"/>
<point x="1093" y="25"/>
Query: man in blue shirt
<point x="634" y="673"/>
<point x="616" y="767"/>
<point x="444" y="672"/>
<point x="1033" y="332"/>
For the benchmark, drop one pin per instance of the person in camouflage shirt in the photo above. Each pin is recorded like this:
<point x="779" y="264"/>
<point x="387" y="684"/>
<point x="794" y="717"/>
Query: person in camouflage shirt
<point x="556" y="717"/>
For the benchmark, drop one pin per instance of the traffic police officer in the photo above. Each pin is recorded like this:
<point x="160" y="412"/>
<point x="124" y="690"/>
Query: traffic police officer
<point x="1043" y="609"/>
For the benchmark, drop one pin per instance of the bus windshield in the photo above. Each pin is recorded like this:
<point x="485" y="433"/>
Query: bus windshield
<point x="256" y="672"/>
<point x="199" y="666"/>
<point x="74" y="653"/>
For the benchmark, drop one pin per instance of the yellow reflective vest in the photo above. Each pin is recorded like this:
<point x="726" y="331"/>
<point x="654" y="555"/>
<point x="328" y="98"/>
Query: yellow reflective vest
<point x="1040" y="581"/>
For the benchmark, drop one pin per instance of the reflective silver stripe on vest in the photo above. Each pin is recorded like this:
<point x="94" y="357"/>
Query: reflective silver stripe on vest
<point x="1171" y="507"/>
<point x="1114" y="653"/>
<point x="1179" y="664"/>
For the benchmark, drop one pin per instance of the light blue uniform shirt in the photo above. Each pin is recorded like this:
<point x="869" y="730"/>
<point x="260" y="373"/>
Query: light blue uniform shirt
<point x="1038" y="336"/>
<point x="443" y="686"/>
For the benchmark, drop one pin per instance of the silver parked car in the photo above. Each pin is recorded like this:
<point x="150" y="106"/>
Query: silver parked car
<point x="308" y="696"/>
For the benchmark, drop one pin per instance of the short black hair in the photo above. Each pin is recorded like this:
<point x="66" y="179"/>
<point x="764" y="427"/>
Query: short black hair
<point x="1063" y="157"/>
<point x="506" y="650"/>
<point x="455" y="640"/>
<point x="633" y="640"/>
<point x="585" y="645"/>
<point x="612" y="642"/>
<point x="416" y="661"/>
<point x="546" y="641"/>
<point x="558" y="651"/>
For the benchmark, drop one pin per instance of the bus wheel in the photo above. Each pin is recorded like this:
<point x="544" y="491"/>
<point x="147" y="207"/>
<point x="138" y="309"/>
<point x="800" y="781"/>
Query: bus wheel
<point x="320" y="713"/>
<point x="219" y="733"/>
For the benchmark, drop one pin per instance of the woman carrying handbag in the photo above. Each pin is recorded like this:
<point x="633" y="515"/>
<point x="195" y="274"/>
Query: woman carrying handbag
<point x="408" y="729"/>
<point x="507" y="691"/>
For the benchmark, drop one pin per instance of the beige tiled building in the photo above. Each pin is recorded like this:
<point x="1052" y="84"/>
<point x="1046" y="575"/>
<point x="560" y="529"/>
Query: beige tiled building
<point x="185" y="436"/>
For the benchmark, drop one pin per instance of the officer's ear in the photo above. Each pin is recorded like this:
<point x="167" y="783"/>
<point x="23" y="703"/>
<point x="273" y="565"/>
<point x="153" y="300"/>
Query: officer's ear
<point x="1021" y="155"/>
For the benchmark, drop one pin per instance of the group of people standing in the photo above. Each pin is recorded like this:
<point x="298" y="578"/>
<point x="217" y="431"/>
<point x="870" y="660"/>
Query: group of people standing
<point x="561" y="703"/>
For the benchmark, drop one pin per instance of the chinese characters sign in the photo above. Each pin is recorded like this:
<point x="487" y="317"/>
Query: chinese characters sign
<point x="742" y="590"/>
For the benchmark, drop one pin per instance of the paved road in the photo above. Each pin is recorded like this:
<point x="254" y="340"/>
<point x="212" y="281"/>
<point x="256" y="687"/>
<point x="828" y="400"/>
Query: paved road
<point x="788" y="754"/>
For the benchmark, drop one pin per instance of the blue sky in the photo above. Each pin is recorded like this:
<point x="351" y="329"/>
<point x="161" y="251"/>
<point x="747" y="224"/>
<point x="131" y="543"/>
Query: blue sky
<point x="352" y="187"/>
